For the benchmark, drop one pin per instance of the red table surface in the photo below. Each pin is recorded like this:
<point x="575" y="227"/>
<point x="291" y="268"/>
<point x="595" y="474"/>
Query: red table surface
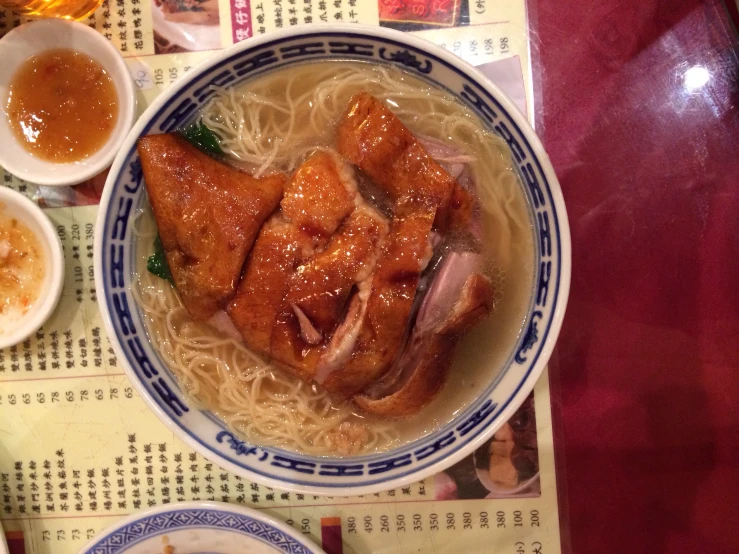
<point x="646" y="376"/>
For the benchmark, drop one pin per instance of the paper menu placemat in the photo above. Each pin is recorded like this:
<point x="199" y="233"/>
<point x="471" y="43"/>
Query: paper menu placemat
<point x="478" y="31"/>
<point x="79" y="448"/>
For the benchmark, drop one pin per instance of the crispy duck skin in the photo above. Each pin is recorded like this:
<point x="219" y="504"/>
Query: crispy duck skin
<point x="208" y="215"/>
<point x="321" y="286"/>
<point x="328" y="287"/>
<point x="259" y="296"/>
<point x="423" y="367"/>
<point x="385" y="318"/>
<point x="318" y="197"/>
<point x="319" y="290"/>
<point x="375" y="140"/>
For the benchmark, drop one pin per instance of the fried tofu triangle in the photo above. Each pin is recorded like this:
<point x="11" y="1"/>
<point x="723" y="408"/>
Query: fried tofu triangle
<point x="208" y="215"/>
<point x="375" y="140"/>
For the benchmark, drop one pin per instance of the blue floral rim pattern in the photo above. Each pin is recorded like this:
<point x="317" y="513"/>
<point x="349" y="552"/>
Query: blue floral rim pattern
<point x="121" y="539"/>
<point x="116" y="252"/>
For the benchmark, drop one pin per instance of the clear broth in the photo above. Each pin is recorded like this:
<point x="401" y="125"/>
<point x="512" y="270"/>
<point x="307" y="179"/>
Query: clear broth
<point x="484" y="350"/>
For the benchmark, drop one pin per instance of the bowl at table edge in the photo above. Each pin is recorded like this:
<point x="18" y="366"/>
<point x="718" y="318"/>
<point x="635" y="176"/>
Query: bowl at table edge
<point x="16" y="205"/>
<point x="31" y="39"/>
<point x="362" y="474"/>
<point x="199" y="526"/>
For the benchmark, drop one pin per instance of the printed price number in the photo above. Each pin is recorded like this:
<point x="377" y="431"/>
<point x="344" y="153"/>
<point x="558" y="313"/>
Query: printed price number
<point x="466" y="521"/>
<point x="518" y="519"/>
<point x="400" y="523"/>
<point x="504" y="46"/>
<point x="69" y="396"/>
<point x="384" y="524"/>
<point x="534" y="514"/>
<point x="61" y="535"/>
<point x="368" y="524"/>
<point x="79" y="273"/>
<point x="484" y="521"/>
<point x="417" y="524"/>
<point x="75" y="231"/>
<point x="304" y="525"/>
<point x="533" y="518"/>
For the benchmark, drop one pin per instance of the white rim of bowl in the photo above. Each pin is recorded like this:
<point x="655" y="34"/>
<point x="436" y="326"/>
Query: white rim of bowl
<point x="55" y="266"/>
<point x="204" y="505"/>
<point x="558" y="202"/>
<point x="126" y="113"/>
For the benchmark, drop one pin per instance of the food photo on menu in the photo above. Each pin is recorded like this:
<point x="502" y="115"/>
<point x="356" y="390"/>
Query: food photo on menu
<point x="507" y="465"/>
<point x="185" y="25"/>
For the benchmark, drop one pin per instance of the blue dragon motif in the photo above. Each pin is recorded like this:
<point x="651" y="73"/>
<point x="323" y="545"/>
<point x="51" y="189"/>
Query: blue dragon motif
<point x="530" y="338"/>
<point x="407" y="59"/>
<point x="240" y="447"/>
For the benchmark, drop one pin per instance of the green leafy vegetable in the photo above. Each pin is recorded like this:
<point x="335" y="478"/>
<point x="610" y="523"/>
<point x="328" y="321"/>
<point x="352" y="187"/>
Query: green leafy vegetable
<point x="201" y="136"/>
<point x="157" y="262"/>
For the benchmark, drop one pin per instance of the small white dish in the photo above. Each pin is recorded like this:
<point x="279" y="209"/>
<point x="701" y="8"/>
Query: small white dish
<point x="24" y="210"/>
<point x="32" y="39"/>
<point x="211" y="527"/>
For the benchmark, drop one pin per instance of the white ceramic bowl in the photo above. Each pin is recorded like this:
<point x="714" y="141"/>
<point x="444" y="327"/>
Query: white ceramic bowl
<point x="14" y="204"/>
<point x="510" y="383"/>
<point x="32" y="39"/>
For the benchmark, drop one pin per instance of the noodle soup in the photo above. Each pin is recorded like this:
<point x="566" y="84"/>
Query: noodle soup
<point x="273" y="124"/>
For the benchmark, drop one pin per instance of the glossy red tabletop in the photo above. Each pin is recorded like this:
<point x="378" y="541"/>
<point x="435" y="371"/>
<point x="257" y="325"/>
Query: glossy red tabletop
<point x="637" y="106"/>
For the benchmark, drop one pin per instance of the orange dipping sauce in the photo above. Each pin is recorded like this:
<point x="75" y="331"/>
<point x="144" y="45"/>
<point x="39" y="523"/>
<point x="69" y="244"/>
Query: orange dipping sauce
<point x="62" y="106"/>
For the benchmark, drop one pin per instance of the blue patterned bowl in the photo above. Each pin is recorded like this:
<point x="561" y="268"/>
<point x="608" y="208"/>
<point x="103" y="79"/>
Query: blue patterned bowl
<point x="115" y="255"/>
<point x="206" y="527"/>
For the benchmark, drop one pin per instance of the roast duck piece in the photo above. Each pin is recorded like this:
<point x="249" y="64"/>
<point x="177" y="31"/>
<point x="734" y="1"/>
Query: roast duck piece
<point x="309" y="274"/>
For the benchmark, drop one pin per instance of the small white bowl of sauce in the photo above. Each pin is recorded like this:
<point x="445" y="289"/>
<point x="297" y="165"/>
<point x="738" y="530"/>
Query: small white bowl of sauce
<point x="31" y="267"/>
<point x="67" y="101"/>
